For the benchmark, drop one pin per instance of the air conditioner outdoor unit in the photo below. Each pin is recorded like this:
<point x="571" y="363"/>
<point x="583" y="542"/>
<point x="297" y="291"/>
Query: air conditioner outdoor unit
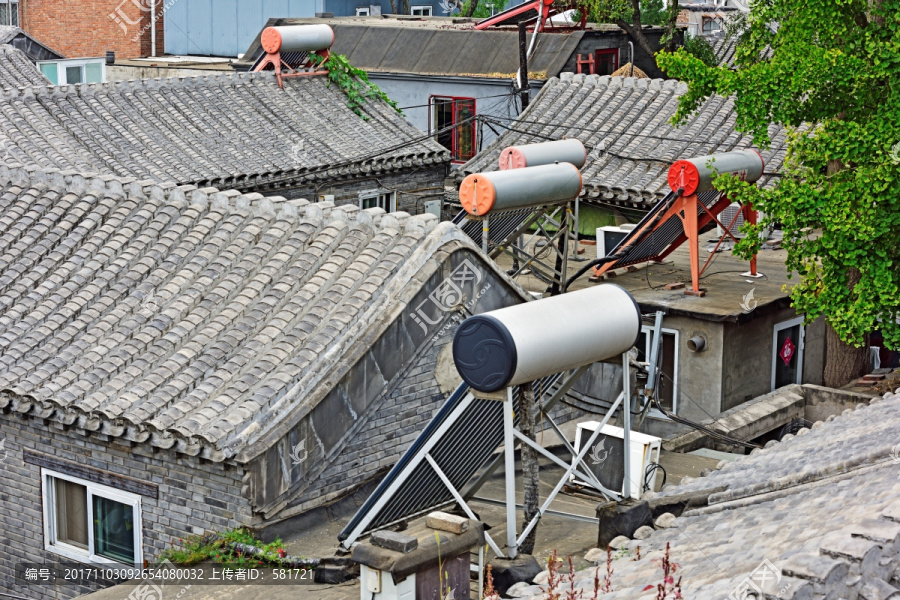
<point x="725" y="218"/>
<point x="606" y="458"/>
<point x="608" y="238"/>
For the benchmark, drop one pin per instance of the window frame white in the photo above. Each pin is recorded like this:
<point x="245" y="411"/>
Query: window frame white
<point x="9" y="10"/>
<point x="363" y="11"/>
<point x="421" y="7"/>
<point x="648" y="340"/>
<point x="48" y="501"/>
<point x="390" y="199"/>
<point x="801" y="343"/>
<point x="63" y="63"/>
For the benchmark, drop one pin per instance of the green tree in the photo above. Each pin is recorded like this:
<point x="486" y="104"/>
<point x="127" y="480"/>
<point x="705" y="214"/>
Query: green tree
<point x="699" y="47"/>
<point x="830" y="72"/>
<point x="653" y="12"/>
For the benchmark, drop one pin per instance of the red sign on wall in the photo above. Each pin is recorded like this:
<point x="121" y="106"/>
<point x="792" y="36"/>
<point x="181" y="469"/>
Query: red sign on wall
<point x="787" y="351"/>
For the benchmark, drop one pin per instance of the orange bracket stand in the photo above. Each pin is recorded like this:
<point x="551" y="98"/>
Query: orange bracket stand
<point x="274" y="59"/>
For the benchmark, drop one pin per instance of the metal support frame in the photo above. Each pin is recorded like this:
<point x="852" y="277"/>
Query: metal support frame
<point x="510" y="434"/>
<point x="552" y="270"/>
<point x="279" y="65"/>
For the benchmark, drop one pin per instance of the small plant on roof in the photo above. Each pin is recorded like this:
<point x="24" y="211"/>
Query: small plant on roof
<point x="353" y="82"/>
<point x="669" y="588"/>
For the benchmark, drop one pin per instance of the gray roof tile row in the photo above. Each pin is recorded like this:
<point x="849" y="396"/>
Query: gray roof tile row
<point x="15" y="69"/>
<point x="186" y="317"/>
<point x="227" y="130"/>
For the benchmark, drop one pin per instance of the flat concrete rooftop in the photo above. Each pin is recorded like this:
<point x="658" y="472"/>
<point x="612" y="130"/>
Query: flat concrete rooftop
<point x="726" y="288"/>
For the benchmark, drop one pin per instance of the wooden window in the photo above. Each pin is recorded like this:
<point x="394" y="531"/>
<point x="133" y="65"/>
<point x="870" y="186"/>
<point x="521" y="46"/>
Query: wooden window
<point x="452" y="122"/>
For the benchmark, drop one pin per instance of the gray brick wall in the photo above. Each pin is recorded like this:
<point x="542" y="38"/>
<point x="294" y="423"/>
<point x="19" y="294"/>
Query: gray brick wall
<point x="194" y="496"/>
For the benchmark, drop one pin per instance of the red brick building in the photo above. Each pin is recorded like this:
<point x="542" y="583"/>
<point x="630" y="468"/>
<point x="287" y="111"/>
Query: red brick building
<point x="89" y="28"/>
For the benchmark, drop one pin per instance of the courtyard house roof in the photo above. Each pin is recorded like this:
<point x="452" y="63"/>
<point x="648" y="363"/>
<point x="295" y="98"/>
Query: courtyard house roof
<point x="204" y="321"/>
<point x="231" y="131"/>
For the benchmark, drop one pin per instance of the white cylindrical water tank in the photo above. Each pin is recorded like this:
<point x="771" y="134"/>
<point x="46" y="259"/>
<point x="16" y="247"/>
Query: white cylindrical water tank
<point x="297" y="38"/>
<point x="545" y="153"/>
<point x="696" y="175"/>
<point x="527" y="342"/>
<point x="482" y="193"/>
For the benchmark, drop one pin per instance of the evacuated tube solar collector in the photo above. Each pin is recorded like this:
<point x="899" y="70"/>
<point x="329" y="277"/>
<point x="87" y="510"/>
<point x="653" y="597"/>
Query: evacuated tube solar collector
<point x="529" y="341"/>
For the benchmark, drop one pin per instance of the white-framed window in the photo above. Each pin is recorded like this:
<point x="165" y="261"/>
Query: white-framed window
<point x="9" y="12"/>
<point x="667" y="362"/>
<point x="421" y="10"/>
<point x="79" y="70"/>
<point x="90" y="522"/>
<point x="362" y="11"/>
<point x="378" y="199"/>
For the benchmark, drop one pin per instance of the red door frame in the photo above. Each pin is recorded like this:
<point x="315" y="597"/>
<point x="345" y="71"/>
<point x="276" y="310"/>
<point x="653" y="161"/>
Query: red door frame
<point x="603" y="51"/>
<point x="454" y="137"/>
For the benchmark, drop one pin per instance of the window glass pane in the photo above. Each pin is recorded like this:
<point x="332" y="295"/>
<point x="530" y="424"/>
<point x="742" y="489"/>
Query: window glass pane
<point x="443" y="120"/>
<point x="93" y="73"/>
<point x="51" y="72"/>
<point x="113" y="530"/>
<point x="71" y="514"/>
<point x="74" y="75"/>
<point x="370" y="202"/>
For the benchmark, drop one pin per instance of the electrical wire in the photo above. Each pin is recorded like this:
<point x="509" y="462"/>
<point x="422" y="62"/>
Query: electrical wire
<point x="651" y="469"/>
<point x="710" y="432"/>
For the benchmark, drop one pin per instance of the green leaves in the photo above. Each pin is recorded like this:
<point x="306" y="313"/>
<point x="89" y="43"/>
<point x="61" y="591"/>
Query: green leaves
<point x="354" y="83"/>
<point x="830" y="71"/>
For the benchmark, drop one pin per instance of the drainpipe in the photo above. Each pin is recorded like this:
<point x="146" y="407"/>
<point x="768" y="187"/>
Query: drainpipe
<point x="153" y="28"/>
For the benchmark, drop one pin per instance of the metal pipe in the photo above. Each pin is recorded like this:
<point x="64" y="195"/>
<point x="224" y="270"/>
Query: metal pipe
<point x="626" y="412"/>
<point x="509" y="449"/>
<point x="153" y="28"/>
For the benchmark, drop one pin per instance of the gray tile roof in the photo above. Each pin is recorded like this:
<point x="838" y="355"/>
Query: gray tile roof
<point x="382" y="45"/>
<point x="189" y="318"/>
<point x="822" y="507"/>
<point x="624" y="123"/>
<point x="230" y="131"/>
<point x="16" y="70"/>
<point x="726" y="47"/>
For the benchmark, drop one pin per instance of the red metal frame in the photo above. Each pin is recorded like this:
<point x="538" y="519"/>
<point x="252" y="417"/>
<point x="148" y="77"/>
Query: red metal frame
<point x="694" y="216"/>
<point x="585" y="62"/>
<point x="278" y="65"/>
<point x="457" y="102"/>
<point x="614" y="52"/>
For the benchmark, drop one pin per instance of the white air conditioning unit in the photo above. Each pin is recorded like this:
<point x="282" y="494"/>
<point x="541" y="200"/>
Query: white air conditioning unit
<point x="608" y="237"/>
<point x="606" y="457"/>
<point x="725" y="218"/>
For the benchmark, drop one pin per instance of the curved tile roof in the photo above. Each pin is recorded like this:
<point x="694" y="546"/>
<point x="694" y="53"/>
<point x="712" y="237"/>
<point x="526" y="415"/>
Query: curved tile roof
<point x="228" y="130"/>
<point x="624" y="123"/>
<point x="16" y="70"/>
<point x="189" y="318"/>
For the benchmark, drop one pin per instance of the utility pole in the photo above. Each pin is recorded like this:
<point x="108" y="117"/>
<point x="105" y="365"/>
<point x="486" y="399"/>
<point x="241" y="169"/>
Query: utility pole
<point x="523" y="68"/>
